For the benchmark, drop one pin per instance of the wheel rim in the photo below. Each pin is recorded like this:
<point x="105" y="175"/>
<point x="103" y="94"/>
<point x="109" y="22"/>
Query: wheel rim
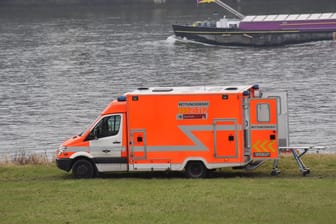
<point x="83" y="170"/>
<point x="196" y="170"/>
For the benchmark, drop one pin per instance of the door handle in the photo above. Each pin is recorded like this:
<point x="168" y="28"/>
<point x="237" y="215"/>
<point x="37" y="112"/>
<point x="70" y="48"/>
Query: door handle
<point x="116" y="142"/>
<point x="106" y="150"/>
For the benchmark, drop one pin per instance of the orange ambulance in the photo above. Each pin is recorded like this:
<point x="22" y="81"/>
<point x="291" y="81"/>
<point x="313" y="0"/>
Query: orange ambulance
<point x="191" y="129"/>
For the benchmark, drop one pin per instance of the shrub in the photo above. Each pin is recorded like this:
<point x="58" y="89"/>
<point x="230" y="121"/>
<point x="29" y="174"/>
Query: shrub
<point x="24" y="158"/>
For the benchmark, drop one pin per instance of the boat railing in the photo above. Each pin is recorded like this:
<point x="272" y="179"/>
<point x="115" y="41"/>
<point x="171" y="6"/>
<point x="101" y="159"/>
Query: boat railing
<point x="230" y="9"/>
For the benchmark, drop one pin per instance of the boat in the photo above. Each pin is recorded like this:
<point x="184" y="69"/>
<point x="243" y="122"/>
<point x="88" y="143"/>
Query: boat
<point x="260" y="30"/>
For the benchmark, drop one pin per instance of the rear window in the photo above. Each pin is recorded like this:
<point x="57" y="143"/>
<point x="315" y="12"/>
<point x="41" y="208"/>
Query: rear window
<point x="263" y="112"/>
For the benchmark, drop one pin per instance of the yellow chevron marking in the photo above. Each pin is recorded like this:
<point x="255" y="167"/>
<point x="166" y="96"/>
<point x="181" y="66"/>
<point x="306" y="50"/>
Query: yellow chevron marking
<point x="263" y="146"/>
<point x="255" y="146"/>
<point x="270" y="146"/>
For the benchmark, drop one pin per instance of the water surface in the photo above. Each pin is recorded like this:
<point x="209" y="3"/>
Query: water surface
<point x="61" y="65"/>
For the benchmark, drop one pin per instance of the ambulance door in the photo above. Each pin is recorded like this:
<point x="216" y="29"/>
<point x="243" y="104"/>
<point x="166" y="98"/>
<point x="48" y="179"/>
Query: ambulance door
<point x="138" y="149"/>
<point x="226" y="138"/>
<point x="263" y="128"/>
<point x="138" y="144"/>
<point x="282" y="108"/>
<point x="106" y="143"/>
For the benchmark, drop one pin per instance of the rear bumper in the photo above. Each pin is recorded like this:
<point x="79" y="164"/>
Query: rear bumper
<point x="64" y="164"/>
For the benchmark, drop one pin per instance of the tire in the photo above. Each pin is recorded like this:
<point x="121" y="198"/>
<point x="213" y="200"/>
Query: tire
<point x="83" y="169"/>
<point x="195" y="170"/>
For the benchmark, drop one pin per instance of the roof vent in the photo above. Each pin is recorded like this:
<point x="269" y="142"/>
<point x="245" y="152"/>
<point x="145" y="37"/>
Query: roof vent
<point x="143" y="88"/>
<point x="231" y="88"/>
<point x="162" y="90"/>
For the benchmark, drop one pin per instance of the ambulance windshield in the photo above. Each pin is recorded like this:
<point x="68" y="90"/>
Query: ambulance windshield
<point x="89" y="127"/>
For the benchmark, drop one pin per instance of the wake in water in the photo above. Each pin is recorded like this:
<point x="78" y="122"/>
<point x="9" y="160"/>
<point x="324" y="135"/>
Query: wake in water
<point x="171" y="39"/>
<point x="169" y="42"/>
<point x="174" y="39"/>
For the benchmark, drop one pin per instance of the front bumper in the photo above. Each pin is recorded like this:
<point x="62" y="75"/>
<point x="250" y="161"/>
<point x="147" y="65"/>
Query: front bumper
<point x="64" y="164"/>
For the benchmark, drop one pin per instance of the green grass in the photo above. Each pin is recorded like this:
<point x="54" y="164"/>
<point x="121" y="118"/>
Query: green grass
<point x="44" y="194"/>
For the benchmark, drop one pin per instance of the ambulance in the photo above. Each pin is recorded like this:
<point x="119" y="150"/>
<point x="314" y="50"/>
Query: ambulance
<point x="192" y="129"/>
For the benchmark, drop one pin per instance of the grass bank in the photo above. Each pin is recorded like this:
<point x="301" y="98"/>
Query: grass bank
<point x="44" y="194"/>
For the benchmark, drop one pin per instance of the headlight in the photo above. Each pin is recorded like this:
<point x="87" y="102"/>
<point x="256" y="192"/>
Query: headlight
<point x="60" y="150"/>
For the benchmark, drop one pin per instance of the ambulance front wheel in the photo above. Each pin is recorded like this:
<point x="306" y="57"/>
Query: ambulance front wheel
<point x="195" y="170"/>
<point x="83" y="168"/>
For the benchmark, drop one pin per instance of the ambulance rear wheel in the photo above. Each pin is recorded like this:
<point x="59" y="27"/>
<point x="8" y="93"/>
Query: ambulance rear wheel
<point x="195" y="170"/>
<point x="83" y="169"/>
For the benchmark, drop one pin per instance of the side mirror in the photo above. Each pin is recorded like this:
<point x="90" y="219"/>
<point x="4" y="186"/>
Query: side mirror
<point x="95" y="133"/>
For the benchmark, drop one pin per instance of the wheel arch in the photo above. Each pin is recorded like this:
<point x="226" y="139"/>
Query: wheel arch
<point x="83" y="155"/>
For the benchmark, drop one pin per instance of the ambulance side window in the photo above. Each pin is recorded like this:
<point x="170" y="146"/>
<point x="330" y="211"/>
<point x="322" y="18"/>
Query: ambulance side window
<point x="108" y="126"/>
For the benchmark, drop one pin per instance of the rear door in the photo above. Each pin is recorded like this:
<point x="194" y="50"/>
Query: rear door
<point x="282" y="108"/>
<point x="263" y="128"/>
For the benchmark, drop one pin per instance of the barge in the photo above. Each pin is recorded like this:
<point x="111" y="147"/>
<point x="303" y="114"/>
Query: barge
<point x="260" y="30"/>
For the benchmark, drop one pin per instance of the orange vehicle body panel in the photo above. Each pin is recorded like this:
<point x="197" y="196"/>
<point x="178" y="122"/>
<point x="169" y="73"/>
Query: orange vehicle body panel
<point x="161" y="118"/>
<point x="115" y="107"/>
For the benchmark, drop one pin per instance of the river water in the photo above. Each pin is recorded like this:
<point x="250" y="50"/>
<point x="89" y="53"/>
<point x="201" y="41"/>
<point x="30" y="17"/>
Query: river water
<point x="61" y="64"/>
